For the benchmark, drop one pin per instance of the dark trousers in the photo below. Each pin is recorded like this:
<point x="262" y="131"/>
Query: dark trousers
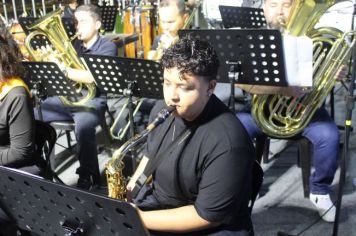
<point x="85" y="121"/>
<point x="324" y="135"/>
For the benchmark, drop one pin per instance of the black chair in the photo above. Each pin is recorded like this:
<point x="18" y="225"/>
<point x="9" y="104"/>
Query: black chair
<point x="304" y="156"/>
<point x="66" y="127"/>
<point x="45" y="139"/>
<point x="257" y="180"/>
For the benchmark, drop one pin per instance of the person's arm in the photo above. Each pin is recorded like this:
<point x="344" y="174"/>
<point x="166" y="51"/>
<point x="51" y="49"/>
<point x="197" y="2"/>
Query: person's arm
<point x="182" y="219"/>
<point x="81" y="76"/>
<point x="84" y="76"/>
<point x="21" y="130"/>
<point x="263" y="89"/>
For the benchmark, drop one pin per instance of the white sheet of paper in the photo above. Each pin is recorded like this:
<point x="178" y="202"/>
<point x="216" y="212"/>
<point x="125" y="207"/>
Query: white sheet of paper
<point x="298" y="53"/>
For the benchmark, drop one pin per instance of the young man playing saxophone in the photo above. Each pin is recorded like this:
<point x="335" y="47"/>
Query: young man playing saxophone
<point x="202" y="186"/>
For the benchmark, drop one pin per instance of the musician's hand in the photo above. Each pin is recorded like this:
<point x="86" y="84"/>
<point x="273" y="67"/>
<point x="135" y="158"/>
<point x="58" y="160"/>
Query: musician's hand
<point x="297" y="91"/>
<point x="51" y="55"/>
<point x="167" y="40"/>
<point x="341" y="73"/>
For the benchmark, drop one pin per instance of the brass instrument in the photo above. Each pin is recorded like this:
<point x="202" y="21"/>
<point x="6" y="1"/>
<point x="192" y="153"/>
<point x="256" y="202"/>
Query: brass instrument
<point x="52" y="28"/>
<point x="121" y="133"/>
<point x="115" y="179"/>
<point x="281" y="116"/>
<point x="162" y="46"/>
<point x="164" y="43"/>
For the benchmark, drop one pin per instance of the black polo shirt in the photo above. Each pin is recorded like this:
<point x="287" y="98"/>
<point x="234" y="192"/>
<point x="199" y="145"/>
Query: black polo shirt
<point x="213" y="169"/>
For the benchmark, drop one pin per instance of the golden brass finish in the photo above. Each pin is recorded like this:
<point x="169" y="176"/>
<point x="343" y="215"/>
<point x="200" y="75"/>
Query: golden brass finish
<point x="52" y="28"/>
<point x="281" y="116"/>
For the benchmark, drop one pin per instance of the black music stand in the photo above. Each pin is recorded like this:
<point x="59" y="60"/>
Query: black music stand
<point x="242" y="17"/>
<point x="39" y="40"/>
<point x="26" y="22"/>
<point x="68" y="24"/>
<point x="108" y="15"/>
<point x="247" y="56"/>
<point x="46" y="79"/>
<point x="120" y="76"/>
<point x="47" y="208"/>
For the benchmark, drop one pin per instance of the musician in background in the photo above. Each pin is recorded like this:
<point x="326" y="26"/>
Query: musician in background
<point x="172" y="17"/>
<point x="88" y="23"/>
<point x="322" y="131"/>
<point x="202" y="185"/>
<point x="69" y="8"/>
<point x="17" y="125"/>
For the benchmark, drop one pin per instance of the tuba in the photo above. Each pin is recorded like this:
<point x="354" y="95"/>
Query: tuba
<point x="282" y="116"/>
<point x="115" y="180"/>
<point x="51" y="26"/>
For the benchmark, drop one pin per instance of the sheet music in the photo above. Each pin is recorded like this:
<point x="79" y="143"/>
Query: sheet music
<point x="298" y="52"/>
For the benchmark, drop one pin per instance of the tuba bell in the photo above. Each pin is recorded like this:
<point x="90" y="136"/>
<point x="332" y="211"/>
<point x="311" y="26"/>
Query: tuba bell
<point x="281" y="116"/>
<point x="52" y="28"/>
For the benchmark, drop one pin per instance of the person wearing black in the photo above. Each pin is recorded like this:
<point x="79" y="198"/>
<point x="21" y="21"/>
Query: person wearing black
<point x="69" y="8"/>
<point x="17" y="126"/>
<point x="88" y="23"/>
<point x="203" y="185"/>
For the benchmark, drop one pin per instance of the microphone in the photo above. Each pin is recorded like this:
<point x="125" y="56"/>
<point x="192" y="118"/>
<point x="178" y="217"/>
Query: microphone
<point x="161" y="117"/>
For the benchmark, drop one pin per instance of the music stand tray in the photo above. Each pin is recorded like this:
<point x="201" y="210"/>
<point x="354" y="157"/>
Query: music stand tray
<point x="48" y="208"/>
<point x="242" y="17"/>
<point x="257" y="55"/>
<point x="116" y="75"/>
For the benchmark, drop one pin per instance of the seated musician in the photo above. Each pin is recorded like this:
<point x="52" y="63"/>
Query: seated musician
<point x="203" y="185"/>
<point x="322" y="131"/>
<point x="172" y="17"/>
<point x="88" y="23"/>
<point x="17" y="126"/>
<point x="69" y="8"/>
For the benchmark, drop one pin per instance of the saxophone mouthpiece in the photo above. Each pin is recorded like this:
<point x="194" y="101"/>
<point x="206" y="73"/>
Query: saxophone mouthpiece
<point x="161" y="117"/>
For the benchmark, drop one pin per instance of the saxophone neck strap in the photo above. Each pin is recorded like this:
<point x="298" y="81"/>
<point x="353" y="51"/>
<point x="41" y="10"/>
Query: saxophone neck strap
<point x="153" y="164"/>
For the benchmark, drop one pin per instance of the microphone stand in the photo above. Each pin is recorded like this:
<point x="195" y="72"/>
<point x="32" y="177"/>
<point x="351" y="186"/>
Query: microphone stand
<point x="348" y="121"/>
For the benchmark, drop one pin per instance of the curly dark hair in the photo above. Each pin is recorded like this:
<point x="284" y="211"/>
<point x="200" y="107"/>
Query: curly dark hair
<point x="193" y="57"/>
<point x="10" y="55"/>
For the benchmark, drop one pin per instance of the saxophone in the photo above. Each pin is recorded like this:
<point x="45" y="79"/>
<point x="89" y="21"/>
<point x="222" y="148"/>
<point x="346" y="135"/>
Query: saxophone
<point x="116" y="182"/>
<point x="283" y="117"/>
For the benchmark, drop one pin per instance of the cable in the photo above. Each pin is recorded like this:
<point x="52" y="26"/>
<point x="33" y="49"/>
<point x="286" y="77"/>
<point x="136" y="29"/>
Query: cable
<point x="280" y="233"/>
